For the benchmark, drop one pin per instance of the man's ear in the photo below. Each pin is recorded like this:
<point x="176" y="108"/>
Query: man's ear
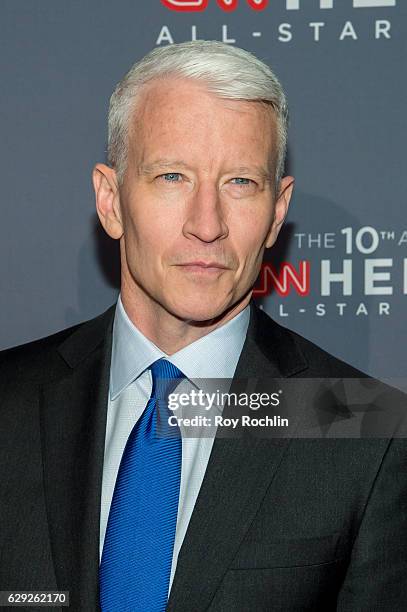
<point x="108" y="200"/>
<point x="280" y="208"/>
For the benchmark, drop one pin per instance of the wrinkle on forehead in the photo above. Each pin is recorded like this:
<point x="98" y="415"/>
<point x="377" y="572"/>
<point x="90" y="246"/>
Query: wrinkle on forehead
<point x="157" y="98"/>
<point x="155" y="95"/>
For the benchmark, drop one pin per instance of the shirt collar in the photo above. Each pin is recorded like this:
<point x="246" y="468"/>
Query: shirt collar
<point x="215" y="355"/>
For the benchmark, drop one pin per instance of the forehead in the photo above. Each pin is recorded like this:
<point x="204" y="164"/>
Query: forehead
<point x="179" y="113"/>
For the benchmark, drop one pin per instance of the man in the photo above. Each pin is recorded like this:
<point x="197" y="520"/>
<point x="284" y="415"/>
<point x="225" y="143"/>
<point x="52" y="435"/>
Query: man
<point x="93" y="500"/>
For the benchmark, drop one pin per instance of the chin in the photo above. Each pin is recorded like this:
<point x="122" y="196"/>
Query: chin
<point x="198" y="312"/>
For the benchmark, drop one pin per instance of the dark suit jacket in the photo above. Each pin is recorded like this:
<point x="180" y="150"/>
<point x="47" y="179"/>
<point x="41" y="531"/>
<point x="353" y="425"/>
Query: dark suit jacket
<point x="279" y="524"/>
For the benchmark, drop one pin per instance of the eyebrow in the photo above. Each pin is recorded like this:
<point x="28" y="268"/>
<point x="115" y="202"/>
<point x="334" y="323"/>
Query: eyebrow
<point x="161" y="164"/>
<point x="258" y="170"/>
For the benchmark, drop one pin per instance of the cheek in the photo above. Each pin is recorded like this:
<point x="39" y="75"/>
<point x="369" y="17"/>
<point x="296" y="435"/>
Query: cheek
<point x="250" y="236"/>
<point x="148" y="230"/>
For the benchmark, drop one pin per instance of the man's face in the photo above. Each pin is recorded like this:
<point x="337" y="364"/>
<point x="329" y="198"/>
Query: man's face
<point x="197" y="204"/>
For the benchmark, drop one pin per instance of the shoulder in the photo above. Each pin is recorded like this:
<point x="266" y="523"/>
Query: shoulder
<point x="292" y="347"/>
<point x="43" y="359"/>
<point x="33" y="359"/>
<point x="321" y="361"/>
<point x="378" y="408"/>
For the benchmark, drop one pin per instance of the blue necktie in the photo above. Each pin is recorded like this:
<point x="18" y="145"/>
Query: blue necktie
<point x="138" y="547"/>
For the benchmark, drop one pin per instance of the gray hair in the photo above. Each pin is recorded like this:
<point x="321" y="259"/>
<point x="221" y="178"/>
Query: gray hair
<point x="227" y="71"/>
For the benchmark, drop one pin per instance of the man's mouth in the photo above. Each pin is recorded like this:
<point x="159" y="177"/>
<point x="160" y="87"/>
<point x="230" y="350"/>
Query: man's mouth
<point x="203" y="267"/>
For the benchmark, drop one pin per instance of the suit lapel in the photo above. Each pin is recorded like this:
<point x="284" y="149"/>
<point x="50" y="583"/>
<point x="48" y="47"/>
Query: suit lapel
<point x="73" y="422"/>
<point x="238" y="474"/>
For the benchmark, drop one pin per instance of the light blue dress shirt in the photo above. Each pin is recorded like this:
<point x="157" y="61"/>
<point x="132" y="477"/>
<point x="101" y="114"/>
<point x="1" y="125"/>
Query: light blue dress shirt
<point x="212" y="356"/>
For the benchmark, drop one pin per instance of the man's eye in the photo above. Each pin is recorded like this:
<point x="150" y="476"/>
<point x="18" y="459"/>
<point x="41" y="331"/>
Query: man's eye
<point x="241" y="181"/>
<point x="171" y="177"/>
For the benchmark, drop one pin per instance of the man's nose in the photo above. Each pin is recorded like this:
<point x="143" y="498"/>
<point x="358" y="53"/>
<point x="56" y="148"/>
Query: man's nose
<point x="204" y="216"/>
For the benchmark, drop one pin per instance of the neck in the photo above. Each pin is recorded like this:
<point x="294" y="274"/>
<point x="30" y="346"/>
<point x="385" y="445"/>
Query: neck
<point x="169" y="332"/>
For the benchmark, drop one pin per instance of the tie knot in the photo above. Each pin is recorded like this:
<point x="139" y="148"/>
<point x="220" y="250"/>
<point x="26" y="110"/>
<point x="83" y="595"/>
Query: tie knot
<point x="165" y="378"/>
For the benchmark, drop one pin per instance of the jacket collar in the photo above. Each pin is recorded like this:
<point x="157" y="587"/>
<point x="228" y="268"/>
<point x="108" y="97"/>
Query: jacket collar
<point x="265" y="338"/>
<point x="87" y="337"/>
<point x="270" y="349"/>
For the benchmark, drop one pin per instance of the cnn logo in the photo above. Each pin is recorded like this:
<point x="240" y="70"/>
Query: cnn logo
<point x="200" y="5"/>
<point x="260" y="5"/>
